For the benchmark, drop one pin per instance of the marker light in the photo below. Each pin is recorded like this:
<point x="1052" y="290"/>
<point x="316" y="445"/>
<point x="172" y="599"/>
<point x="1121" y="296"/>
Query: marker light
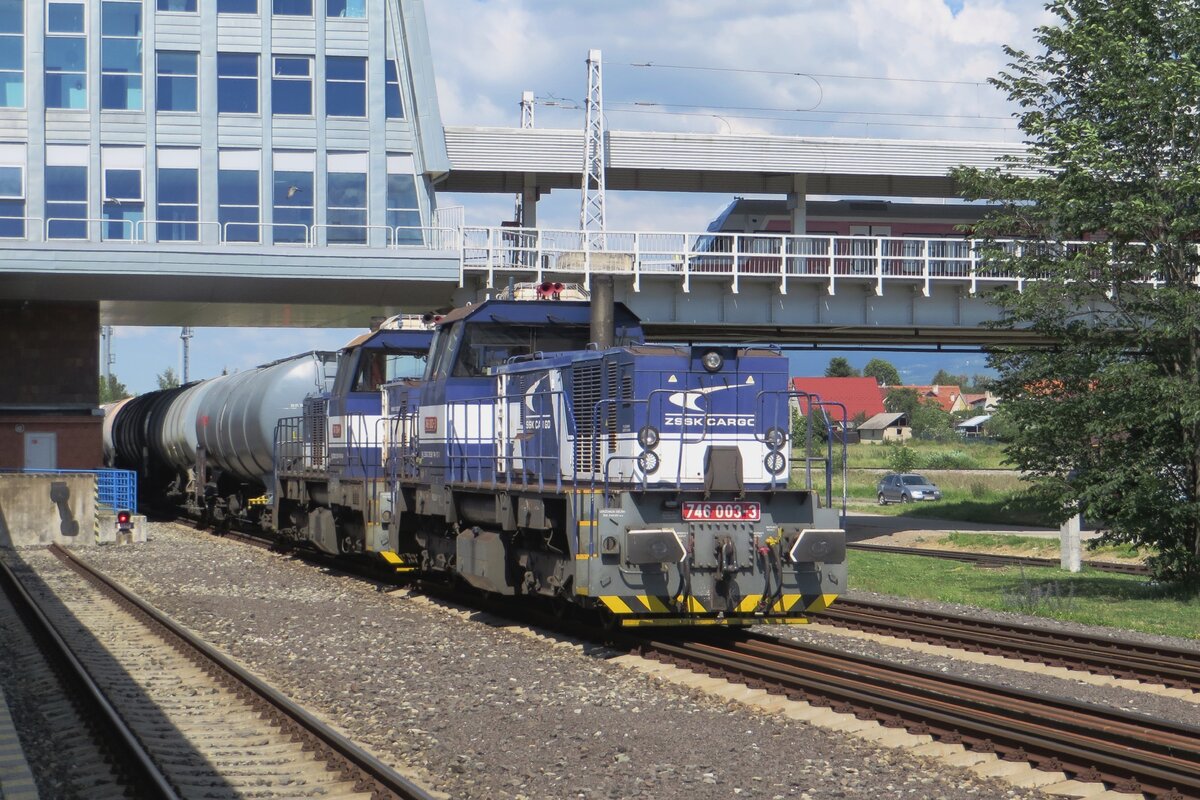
<point x="648" y="437"/>
<point x="123" y="517"/>
<point x="712" y="361"/>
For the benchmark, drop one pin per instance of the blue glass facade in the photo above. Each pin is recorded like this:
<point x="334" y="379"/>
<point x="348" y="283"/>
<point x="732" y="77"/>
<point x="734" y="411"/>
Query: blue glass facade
<point x="239" y="122"/>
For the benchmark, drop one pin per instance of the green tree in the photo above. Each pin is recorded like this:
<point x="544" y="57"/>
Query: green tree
<point x="167" y="379"/>
<point x="112" y="390"/>
<point x="884" y="373"/>
<point x="944" y="378"/>
<point x="902" y="401"/>
<point x="840" y="368"/>
<point x="930" y="421"/>
<point x="1109" y="418"/>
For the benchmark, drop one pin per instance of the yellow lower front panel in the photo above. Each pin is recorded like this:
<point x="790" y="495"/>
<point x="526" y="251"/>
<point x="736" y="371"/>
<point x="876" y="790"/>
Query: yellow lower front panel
<point x="632" y="608"/>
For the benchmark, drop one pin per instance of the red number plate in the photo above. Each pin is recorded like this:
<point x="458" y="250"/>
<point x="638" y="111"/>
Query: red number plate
<point x="737" y="511"/>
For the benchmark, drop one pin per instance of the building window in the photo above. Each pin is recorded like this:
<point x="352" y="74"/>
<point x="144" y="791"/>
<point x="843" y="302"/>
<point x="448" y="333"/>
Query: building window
<point x="345" y="86"/>
<point x="12" y="202"/>
<point x="178" y="204"/>
<point x="292" y="8"/>
<point x="66" y="55"/>
<point x="395" y="106"/>
<point x="123" y="204"/>
<point x="293" y="206"/>
<point x="237" y="6"/>
<point x="346" y="208"/>
<point x="237" y="204"/>
<point x="66" y="200"/>
<point x="186" y="6"/>
<point x="291" y="86"/>
<point x="121" y="55"/>
<point x="403" y="211"/>
<point x="237" y="83"/>
<point x="176" y="87"/>
<point x="12" y="54"/>
<point x="346" y="8"/>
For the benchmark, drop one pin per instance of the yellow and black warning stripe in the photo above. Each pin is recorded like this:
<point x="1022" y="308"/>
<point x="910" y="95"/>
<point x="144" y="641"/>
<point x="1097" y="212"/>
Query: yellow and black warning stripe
<point x="633" y="610"/>
<point x="398" y="562"/>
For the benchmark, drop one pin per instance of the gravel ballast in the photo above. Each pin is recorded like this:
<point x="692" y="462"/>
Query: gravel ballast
<point x="477" y="711"/>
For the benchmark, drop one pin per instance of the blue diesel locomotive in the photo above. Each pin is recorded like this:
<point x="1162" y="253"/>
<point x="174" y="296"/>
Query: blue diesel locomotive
<point x="513" y="452"/>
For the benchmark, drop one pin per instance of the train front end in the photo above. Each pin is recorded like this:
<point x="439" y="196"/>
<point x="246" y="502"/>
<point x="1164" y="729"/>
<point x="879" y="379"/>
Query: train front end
<point x="675" y="464"/>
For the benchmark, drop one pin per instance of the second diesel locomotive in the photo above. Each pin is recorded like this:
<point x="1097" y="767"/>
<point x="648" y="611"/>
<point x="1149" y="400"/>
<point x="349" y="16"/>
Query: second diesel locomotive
<point x="648" y="482"/>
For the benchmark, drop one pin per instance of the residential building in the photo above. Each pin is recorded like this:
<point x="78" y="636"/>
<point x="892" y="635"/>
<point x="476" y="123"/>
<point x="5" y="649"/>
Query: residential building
<point x="859" y="396"/>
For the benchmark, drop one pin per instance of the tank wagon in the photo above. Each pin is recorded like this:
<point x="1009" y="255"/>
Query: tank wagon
<point x="507" y="449"/>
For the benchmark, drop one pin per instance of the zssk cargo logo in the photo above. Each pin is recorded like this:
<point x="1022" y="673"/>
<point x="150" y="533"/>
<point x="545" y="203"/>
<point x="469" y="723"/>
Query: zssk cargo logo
<point x="694" y="410"/>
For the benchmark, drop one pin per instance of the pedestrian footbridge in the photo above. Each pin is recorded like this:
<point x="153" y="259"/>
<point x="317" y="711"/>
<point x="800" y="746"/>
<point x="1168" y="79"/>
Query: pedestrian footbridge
<point x="775" y="287"/>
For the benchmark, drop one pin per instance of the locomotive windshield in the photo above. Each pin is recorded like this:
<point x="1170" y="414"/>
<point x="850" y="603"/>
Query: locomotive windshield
<point x="376" y="367"/>
<point x="490" y="345"/>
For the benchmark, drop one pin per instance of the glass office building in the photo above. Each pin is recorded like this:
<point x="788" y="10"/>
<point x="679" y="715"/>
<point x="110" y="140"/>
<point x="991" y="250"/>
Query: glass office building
<point x="239" y="123"/>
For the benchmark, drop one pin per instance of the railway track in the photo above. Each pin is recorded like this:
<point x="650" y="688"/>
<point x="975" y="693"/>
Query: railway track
<point x="187" y="721"/>
<point x="993" y="560"/>
<point x="1161" y="664"/>
<point x="1126" y="752"/>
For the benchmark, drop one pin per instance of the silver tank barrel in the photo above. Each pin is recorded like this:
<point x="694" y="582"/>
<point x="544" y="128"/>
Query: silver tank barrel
<point x="235" y="417"/>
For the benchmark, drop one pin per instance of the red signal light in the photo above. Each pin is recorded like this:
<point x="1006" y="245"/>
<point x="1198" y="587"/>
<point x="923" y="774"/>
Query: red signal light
<point x="123" y="517"/>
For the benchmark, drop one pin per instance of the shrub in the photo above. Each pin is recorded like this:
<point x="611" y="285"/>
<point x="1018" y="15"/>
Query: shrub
<point x="902" y="459"/>
<point x="950" y="459"/>
<point x="979" y="490"/>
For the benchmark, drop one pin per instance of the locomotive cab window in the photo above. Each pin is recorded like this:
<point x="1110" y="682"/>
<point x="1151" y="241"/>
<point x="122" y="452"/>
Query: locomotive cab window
<point x="377" y="367"/>
<point x="487" y="346"/>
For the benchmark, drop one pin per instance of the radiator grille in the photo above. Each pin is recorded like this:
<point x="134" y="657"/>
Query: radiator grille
<point x="586" y="392"/>
<point x="315" y="415"/>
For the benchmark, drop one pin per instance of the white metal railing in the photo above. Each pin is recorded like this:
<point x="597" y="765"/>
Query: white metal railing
<point x="528" y="254"/>
<point x="145" y="231"/>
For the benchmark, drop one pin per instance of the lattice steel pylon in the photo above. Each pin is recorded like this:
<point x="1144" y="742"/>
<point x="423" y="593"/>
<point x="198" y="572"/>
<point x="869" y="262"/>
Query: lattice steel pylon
<point x="591" y="215"/>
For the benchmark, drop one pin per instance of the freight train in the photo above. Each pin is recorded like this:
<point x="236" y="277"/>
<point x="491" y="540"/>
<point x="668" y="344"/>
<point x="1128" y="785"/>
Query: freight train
<point x="530" y="448"/>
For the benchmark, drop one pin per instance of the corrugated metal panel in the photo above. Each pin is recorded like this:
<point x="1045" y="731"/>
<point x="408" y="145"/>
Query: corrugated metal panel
<point x="62" y="126"/>
<point x="178" y="129"/>
<point x="177" y="31"/>
<point x="347" y="134"/>
<point x="346" y="37"/>
<point x="123" y="127"/>
<point x="15" y="122"/>
<point x="503" y="149"/>
<point x="296" y="132"/>
<point x="236" y="32"/>
<point x="292" y="35"/>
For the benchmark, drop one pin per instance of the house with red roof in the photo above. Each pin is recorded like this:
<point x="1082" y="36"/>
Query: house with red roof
<point x="950" y="398"/>
<point x="858" y="395"/>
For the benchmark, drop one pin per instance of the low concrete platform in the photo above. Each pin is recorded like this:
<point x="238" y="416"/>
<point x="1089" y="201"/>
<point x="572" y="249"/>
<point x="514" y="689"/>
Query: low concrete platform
<point x="16" y="780"/>
<point x="58" y="508"/>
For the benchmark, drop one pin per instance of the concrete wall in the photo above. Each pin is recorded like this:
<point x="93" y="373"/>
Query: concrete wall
<point x="38" y="509"/>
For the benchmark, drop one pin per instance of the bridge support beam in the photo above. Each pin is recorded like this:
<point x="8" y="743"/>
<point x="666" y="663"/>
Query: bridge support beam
<point x="797" y="199"/>
<point x="49" y="360"/>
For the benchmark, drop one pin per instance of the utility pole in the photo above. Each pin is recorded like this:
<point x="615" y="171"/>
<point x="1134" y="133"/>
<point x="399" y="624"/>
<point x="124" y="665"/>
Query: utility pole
<point x="185" y="336"/>
<point x="591" y="214"/>
<point x="107" y="357"/>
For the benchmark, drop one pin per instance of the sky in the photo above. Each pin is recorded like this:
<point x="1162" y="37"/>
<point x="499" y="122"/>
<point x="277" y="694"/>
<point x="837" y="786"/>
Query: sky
<point x="903" y="69"/>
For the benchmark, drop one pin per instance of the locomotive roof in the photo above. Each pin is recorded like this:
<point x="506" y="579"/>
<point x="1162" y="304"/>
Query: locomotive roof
<point x="400" y="339"/>
<point x="537" y="312"/>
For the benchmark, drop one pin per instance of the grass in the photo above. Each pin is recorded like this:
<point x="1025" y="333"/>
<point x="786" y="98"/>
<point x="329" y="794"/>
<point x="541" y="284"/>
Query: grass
<point x="985" y="497"/>
<point x="981" y="455"/>
<point x="1128" y="602"/>
<point x="1035" y="546"/>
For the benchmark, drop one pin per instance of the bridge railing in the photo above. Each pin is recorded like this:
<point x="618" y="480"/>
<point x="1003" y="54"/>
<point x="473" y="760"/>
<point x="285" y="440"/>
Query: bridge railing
<point x="530" y="254"/>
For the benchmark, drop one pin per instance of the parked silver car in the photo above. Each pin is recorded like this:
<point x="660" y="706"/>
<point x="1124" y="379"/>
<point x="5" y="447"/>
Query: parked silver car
<point x="905" y="488"/>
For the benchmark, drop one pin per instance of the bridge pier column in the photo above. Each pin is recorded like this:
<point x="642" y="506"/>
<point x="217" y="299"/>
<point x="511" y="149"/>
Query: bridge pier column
<point x="797" y="199"/>
<point x="529" y="200"/>
<point x="49" y="375"/>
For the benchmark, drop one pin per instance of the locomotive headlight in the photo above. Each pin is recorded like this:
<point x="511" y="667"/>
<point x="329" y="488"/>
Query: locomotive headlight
<point x="712" y="361"/>
<point x="648" y="437"/>
<point x="648" y="461"/>
<point x="775" y="438"/>
<point x="775" y="462"/>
